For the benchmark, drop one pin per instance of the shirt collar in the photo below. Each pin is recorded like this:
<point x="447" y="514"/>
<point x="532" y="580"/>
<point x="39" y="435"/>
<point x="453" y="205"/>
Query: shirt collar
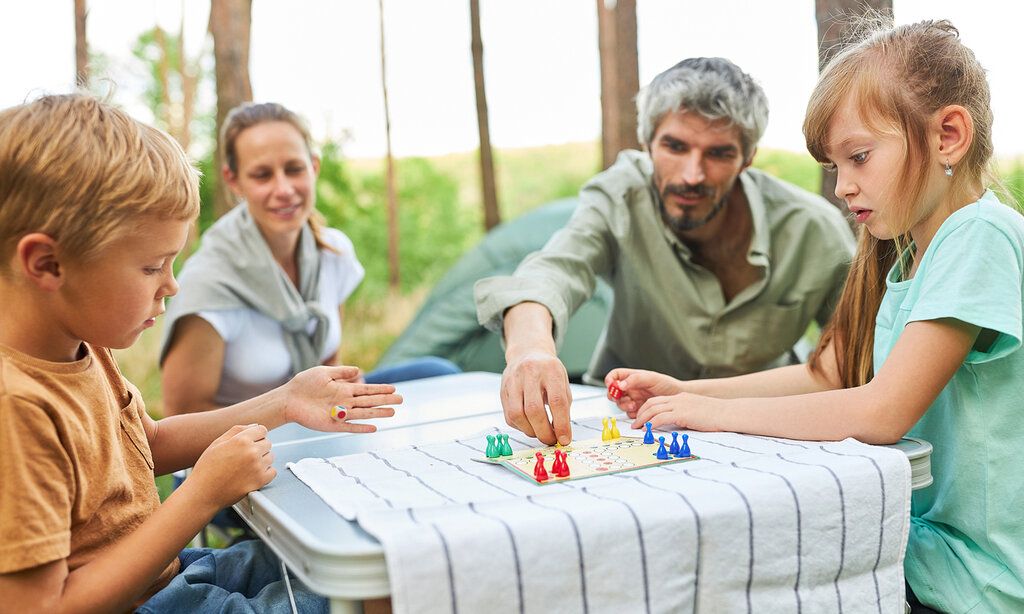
<point x="761" y="243"/>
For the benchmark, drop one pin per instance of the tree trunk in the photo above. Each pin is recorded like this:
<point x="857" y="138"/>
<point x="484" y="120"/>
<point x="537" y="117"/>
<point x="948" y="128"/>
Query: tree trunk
<point x="81" y="45"/>
<point x="164" y="75"/>
<point x="230" y="25"/>
<point x="833" y="28"/>
<point x="492" y="216"/>
<point x="393" y="270"/>
<point x="188" y="72"/>
<point x="620" y="77"/>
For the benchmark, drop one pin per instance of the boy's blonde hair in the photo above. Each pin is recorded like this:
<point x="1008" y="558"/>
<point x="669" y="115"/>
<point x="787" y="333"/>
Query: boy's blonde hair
<point x="82" y="171"/>
<point x="897" y="78"/>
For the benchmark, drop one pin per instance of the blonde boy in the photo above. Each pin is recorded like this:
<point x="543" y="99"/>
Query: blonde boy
<point x="94" y="207"/>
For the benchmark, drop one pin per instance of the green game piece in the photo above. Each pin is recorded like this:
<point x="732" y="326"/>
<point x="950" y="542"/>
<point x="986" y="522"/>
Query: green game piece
<point x="506" y="448"/>
<point x="492" y="450"/>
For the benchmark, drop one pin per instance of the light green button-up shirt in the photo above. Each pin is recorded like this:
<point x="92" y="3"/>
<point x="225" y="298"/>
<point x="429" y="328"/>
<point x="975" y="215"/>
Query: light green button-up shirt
<point x="669" y="314"/>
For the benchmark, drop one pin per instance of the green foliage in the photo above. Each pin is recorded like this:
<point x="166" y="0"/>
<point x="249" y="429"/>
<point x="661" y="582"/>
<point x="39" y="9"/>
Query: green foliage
<point x="207" y="185"/>
<point x="798" y="169"/>
<point x="433" y="230"/>
<point x="1013" y="182"/>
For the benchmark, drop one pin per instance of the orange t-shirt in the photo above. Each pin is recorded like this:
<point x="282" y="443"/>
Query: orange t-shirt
<point x="76" y="471"/>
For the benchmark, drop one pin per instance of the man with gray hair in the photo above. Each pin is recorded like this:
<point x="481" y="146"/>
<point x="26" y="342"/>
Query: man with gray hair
<point x="717" y="269"/>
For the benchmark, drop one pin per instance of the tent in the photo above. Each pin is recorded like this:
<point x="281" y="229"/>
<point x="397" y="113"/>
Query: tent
<point x="446" y="324"/>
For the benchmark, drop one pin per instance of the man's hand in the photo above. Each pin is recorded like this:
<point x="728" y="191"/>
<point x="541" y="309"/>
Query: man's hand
<point x="312" y="393"/>
<point x="637" y="386"/>
<point x="530" y="381"/>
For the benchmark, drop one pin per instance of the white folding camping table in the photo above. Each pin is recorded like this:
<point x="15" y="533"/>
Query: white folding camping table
<point x="335" y="557"/>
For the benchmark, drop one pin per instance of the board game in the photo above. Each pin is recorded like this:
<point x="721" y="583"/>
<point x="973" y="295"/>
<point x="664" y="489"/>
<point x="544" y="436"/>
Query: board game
<point x="591" y="457"/>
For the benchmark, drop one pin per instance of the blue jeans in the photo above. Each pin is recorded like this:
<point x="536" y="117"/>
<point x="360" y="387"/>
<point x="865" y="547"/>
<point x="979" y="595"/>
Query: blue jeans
<point x="417" y="368"/>
<point x="243" y="578"/>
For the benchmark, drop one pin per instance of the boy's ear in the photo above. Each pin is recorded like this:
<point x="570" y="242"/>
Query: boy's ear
<point x="36" y="255"/>
<point x="955" y="129"/>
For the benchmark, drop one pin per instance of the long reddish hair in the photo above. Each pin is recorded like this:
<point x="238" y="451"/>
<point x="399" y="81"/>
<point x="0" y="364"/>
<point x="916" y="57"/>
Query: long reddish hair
<point x="897" y="78"/>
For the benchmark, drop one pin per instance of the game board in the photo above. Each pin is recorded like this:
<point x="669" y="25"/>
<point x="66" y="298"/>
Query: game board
<point x="587" y="458"/>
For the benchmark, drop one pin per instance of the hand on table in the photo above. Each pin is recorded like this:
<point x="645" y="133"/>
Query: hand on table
<point x="530" y="381"/>
<point x="638" y="386"/>
<point x="236" y="463"/>
<point x="312" y="393"/>
<point x="683" y="410"/>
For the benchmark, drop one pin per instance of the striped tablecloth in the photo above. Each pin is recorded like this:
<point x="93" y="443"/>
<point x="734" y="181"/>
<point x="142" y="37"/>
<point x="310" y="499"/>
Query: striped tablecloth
<point x="757" y="525"/>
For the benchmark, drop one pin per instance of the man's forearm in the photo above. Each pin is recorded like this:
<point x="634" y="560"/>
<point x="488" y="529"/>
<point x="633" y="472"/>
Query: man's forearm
<point x="528" y="328"/>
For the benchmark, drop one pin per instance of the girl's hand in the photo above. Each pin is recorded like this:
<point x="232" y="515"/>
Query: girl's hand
<point x="638" y="386"/>
<point x="682" y="410"/>
<point x="313" y="393"/>
<point x="236" y="463"/>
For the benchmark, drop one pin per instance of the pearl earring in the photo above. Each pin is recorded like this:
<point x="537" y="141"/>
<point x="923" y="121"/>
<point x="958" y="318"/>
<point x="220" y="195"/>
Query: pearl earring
<point x="949" y="169"/>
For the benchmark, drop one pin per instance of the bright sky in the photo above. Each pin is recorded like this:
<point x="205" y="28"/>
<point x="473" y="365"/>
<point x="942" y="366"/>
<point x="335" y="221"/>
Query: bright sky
<point x="321" y="58"/>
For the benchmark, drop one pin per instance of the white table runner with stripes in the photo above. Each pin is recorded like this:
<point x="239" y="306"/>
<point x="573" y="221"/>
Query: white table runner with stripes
<point x="756" y="525"/>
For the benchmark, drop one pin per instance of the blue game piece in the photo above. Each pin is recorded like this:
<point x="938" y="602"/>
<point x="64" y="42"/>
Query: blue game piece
<point x="674" y="448"/>
<point x="684" y="450"/>
<point x="492" y="450"/>
<point x="648" y="436"/>
<point x="662" y="453"/>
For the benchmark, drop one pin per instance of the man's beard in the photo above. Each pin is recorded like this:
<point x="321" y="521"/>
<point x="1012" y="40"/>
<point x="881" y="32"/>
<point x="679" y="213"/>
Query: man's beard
<point x="683" y="223"/>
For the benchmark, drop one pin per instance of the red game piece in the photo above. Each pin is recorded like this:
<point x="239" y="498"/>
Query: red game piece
<point x="539" y="472"/>
<point x="614" y="392"/>
<point x="563" y="466"/>
<point x="556" y="465"/>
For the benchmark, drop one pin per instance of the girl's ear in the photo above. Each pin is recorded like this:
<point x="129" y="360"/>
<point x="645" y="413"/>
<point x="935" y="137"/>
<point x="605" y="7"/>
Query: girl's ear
<point x="955" y="129"/>
<point x="36" y="256"/>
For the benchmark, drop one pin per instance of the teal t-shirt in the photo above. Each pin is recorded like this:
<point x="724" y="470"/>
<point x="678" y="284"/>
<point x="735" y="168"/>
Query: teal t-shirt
<point x="966" y="547"/>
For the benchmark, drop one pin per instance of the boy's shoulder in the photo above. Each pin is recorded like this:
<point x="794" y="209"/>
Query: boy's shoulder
<point x="44" y="384"/>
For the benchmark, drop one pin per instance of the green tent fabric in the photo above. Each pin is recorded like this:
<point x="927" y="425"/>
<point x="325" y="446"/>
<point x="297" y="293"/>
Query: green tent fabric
<point x="446" y="324"/>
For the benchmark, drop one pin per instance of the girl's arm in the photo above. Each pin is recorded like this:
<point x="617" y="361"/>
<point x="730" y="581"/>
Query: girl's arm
<point x="192" y="368"/>
<point x="639" y="386"/>
<point x="924" y="359"/>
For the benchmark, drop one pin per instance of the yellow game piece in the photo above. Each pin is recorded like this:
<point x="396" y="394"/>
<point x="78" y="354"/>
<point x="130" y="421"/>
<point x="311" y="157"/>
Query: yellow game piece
<point x="605" y="433"/>
<point x="615" y="430"/>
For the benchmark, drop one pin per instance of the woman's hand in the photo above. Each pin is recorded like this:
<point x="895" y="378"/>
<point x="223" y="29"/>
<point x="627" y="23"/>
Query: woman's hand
<point x="682" y="410"/>
<point x="638" y="386"/>
<point x="312" y="394"/>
